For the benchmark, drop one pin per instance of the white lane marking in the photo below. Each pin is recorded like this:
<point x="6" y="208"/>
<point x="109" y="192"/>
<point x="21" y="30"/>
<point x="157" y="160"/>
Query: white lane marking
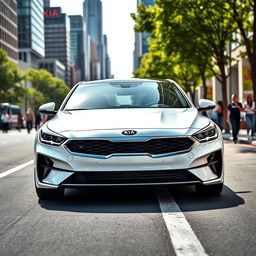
<point x="183" y="238"/>
<point x="15" y="169"/>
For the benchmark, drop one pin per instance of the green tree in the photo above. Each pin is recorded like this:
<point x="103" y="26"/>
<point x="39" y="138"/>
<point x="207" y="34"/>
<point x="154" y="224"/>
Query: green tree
<point x="197" y="30"/>
<point x="155" y="64"/>
<point x="36" y="98"/>
<point x="60" y="91"/>
<point x="45" y="88"/>
<point x="173" y="37"/>
<point x="243" y="14"/>
<point x="11" y="88"/>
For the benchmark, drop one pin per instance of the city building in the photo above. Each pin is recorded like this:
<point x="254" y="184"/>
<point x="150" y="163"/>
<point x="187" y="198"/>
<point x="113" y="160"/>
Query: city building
<point x="31" y="31"/>
<point x="77" y="44"/>
<point x="57" y="38"/>
<point x="55" y="67"/>
<point x="239" y="81"/>
<point x="87" y="57"/>
<point x="75" y="74"/>
<point x="106" y="60"/>
<point x="8" y="29"/>
<point x="46" y="3"/>
<point x="92" y="14"/>
<point x="141" y="42"/>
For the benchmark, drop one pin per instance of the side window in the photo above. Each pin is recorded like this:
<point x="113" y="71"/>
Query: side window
<point x="15" y="111"/>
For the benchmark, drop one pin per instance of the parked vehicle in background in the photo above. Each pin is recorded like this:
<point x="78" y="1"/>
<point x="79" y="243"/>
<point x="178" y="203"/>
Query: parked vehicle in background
<point x="13" y="111"/>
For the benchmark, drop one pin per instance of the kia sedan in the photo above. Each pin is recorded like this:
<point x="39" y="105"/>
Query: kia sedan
<point x="135" y="132"/>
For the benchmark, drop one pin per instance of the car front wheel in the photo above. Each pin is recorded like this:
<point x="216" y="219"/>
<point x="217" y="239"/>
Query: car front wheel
<point x="209" y="190"/>
<point x="44" y="193"/>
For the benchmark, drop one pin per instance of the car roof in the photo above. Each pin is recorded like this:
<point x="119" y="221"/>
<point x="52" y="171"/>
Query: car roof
<point x="125" y="80"/>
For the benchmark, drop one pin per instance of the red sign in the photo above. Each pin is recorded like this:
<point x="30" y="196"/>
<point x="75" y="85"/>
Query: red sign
<point x="51" y="13"/>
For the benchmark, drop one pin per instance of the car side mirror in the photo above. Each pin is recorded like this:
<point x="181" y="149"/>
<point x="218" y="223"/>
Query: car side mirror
<point x="205" y="105"/>
<point x="48" y="109"/>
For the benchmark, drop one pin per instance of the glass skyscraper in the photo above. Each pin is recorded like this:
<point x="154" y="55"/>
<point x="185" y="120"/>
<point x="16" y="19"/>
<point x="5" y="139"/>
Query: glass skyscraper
<point x="31" y="31"/>
<point x="46" y="3"/>
<point x="8" y="29"/>
<point x="92" y="14"/>
<point x="77" y="43"/>
<point x="57" y="38"/>
<point x="106" y="59"/>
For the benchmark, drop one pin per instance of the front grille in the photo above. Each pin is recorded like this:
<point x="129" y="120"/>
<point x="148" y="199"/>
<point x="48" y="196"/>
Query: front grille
<point x="131" y="177"/>
<point x="153" y="146"/>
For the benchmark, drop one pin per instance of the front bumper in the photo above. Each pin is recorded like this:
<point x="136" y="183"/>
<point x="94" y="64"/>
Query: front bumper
<point x="58" y="167"/>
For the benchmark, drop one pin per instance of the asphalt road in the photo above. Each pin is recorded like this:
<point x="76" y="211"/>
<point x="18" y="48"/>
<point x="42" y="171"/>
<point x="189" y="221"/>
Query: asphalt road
<point x="131" y="221"/>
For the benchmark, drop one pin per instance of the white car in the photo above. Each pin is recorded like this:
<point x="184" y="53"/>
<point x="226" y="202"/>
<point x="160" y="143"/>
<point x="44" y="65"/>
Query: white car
<point x="133" y="132"/>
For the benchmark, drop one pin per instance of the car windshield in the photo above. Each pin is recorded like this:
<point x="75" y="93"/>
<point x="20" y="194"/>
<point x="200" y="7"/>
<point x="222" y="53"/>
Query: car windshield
<point x="109" y="95"/>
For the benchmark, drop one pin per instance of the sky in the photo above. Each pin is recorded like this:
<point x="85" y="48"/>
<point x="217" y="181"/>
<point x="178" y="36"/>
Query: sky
<point x="117" y="25"/>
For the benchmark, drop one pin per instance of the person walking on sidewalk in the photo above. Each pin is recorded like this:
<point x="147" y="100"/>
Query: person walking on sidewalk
<point x="38" y="120"/>
<point x="5" y="122"/>
<point x="233" y="116"/>
<point x="30" y="118"/>
<point x="249" y="108"/>
<point x="219" y="113"/>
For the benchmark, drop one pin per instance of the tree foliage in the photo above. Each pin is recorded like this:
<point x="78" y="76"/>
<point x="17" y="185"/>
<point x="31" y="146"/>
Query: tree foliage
<point x="243" y="14"/>
<point x="197" y="31"/>
<point x="45" y="88"/>
<point x="155" y="64"/>
<point x="11" y="88"/>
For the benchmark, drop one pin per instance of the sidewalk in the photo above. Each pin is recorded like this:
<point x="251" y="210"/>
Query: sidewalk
<point x="242" y="137"/>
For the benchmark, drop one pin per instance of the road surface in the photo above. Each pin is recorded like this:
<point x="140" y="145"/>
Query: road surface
<point x="130" y="221"/>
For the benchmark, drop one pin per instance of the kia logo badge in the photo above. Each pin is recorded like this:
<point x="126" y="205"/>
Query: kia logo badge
<point x="129" y="132"/>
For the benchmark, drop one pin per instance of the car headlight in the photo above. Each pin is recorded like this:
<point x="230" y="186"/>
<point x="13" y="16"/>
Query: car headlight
<point x="206" y="134"/>
<point x="48" y="138"/>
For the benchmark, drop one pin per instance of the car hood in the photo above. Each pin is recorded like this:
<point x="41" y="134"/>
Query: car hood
<point x="110" y="119"/>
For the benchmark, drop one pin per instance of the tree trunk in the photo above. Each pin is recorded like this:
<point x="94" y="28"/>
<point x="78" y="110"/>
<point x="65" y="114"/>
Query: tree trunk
<point x="253" y="57"/>
<point x="193" y="97"/>
<point x="253" y="76"/>
<point x="250" y="49"/>
<point x="252" y="61"/>
<point x="224" y="94"/>
<point x="204" y="86"/>
<point x="202" y="74"/>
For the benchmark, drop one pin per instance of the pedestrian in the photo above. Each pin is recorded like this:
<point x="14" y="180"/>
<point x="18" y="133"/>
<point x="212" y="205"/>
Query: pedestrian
<point x="219" y="113"/>
<point x="30" y="118"/>
<point x="20" y="121"/>
<point x="38" y="120"/>
<point x="233" y="116"/>
<point x="5" y="121"/>
<point x="249" y="108"/>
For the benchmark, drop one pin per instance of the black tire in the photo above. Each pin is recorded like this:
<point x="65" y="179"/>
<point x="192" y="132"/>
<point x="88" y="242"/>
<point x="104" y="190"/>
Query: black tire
<point x="209" y="190"/>
<point x="44" y="193"/>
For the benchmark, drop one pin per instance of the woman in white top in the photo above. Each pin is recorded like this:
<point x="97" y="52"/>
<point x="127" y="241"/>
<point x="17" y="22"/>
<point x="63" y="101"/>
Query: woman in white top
<point x="5" y="122"/>
<point x="249" y="108"/>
